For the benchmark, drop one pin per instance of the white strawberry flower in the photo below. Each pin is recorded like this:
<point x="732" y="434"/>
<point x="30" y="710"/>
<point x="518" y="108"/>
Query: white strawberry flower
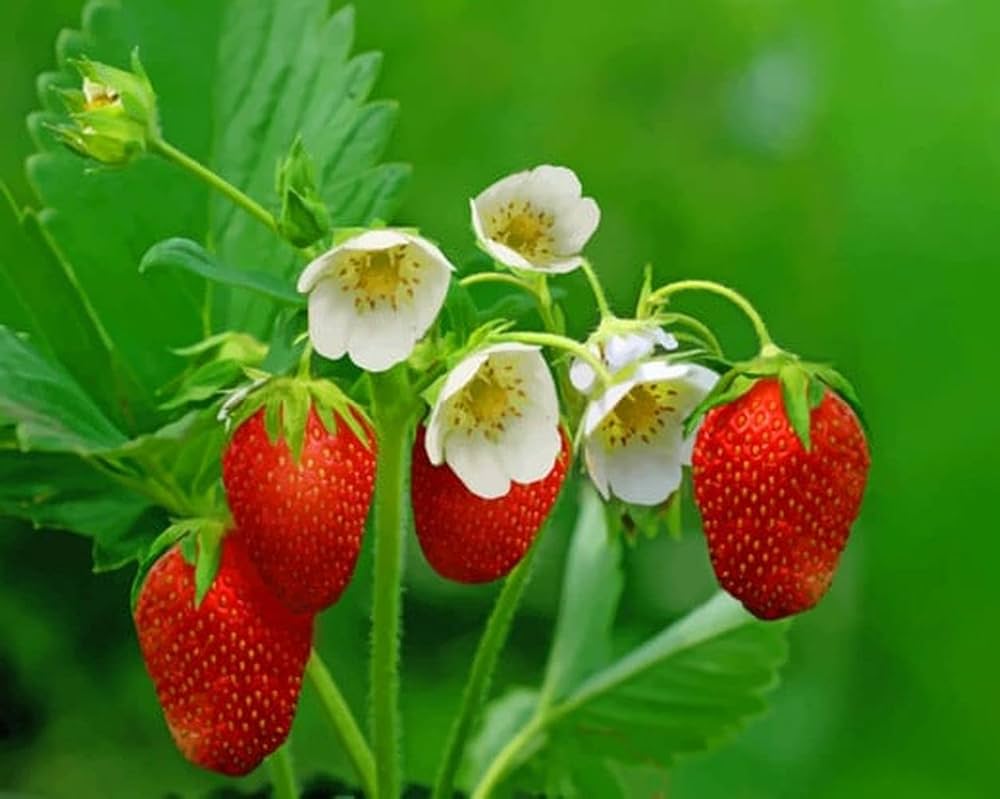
<point x="374" y="296"/>
<point x="496" y="420"/>
<point x="634" y="443"/>
<point x="536" y="220"/>
<point x="618" y="351"/>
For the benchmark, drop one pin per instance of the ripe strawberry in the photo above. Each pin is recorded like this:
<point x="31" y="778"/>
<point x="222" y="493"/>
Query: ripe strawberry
<point x="228" y="672"/>
<point x="470" y="539"/>
<point x="302" y="521"/>
<point x="776" y="515"/>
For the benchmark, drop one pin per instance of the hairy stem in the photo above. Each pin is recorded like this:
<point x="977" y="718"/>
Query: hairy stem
<point x="663" y="294"/>
<point x="391" y="395"/>
<point x="478" y="683"/>
<point x="598" y="289"/>
<point x="350" y="735"/>
<point x="283" y="774"/>
<point x="218" y="183"/>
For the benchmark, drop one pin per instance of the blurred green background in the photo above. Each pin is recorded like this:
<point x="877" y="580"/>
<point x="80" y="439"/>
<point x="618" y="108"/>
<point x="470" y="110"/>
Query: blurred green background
<point x="839" y="162"/>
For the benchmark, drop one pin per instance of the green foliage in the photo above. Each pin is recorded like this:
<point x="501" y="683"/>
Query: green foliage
<point x="187" y="255"/>
<point x="596" y="718"/>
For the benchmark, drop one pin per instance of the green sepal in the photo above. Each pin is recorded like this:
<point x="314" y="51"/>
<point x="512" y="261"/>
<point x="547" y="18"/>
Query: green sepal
<point x="197" y="538"/>
<point x="647" y="521"/>
<point x="731" y="386"/>
<point x="794" y="381"/>
<point x="286" y="402"/>
<point x="209" y="539"/>
<point x="843" y="388"/>
<point x="815" y="392"/>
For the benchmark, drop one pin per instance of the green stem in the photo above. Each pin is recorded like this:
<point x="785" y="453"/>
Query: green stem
<point x="562" y="343"/>
<point x="696" y="325"/>
<point x="478" y="683"/>
<point x="507" y="758"/>
<point x="495" y="277"/>
<point x="598" y="289"/>
<point x="390" y="392"/>
<point x="350" y="735"/>
<point x="663" y="294"/>
<point x="283" y="774"/>
<point x="218" y="183"/>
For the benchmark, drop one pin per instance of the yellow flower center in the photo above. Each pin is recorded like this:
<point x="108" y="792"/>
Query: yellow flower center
<point x="524" y="229"/>
<point x="380" y="277"/>
<point x="489" y="400"/>
<point x="640" y="414"/>
<point x="97" y="95"/>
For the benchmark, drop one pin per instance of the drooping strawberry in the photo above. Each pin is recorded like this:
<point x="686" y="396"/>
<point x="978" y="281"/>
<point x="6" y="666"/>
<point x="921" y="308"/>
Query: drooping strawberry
<point x="301" y="509"/>
<point x="470" y="539"/>
<point x="228" y="671"/>
<point x="780" y="466"/>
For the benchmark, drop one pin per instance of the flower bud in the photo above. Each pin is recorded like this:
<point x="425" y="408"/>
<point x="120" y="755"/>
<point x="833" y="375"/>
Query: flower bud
<point x="304" y="218"/>
<point x="113" y="117"/>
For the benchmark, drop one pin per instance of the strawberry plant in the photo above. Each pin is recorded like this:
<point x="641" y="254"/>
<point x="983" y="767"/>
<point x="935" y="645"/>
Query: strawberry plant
<point x="308" y="380"/>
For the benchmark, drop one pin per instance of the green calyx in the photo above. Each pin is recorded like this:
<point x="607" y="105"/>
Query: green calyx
<point x="286" y="402"/>
<point x="114" y="118"/>
<point x="304" y="218"/>
<point x="803" y="386"/>
<point x="200" y="540"/>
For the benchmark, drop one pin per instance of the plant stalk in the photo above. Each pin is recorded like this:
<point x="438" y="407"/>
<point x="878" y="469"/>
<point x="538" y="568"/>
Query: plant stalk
<point x="350" y="735"/>
<point x="217" y="182"/>
<point x="506" y="759"/>
<point x="764" y="337"/>
<point x="391" y="396"/>
<point x="283" y="774"/>
<point x="478" y="683"/>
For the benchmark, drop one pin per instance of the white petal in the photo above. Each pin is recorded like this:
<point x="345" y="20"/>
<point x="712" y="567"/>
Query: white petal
<point x="503" y="190"/>
<point x="477" y="464"/>
<point x="620" y="351"/>
<point x="575" y="225"/>
<point x="599" y="408"/>
<point x="646" y="474"/>
<point x="560" y="266"/>
<point x="507" y="256"/>
<point x="666" y="340"/>
<point x="597" y="467"/>
<point x="378" y="239"/>
<point x="582" y="376"/>
<point x="382" y="338"/>
<point x="529" y="447"/>
<point x="551" y="186"/>
<point x="315" y="271"/>
<point x="331" y="315"/>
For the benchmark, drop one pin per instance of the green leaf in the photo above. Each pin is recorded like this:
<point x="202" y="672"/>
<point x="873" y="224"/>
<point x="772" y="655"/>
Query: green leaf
<point x="730" y="388"/>
<point x="102" y="221"/>
<point x="205" y="382"/>
<point x="592" y="586"/>
<point x="284" y="69"/>
<point x="184" y="254"/>
<point x="503" y="719"/>
<point x="51" y="411"/>
<point x="38" y="296"/>
<point x="687" y="687"/>
<point x="795" y="391"/>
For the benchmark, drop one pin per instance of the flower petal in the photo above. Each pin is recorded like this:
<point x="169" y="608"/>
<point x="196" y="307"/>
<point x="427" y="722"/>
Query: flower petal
<point x="645" y="473"/>
<point x="331" y="313"/>
<point x="575" y="225"/>
<point x="381" y="338"/>
<point x="477" y="464"/>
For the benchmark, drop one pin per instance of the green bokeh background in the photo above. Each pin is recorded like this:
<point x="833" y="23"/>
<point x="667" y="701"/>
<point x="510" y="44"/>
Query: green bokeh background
<point x="839" y="162"/>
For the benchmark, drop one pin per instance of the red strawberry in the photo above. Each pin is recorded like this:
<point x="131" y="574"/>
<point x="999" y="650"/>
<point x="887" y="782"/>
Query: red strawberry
<point x="777" y="516"/>
<point x="470" y="539"/>
<point x="228" y="672"/>
<point x="302" y="521"/>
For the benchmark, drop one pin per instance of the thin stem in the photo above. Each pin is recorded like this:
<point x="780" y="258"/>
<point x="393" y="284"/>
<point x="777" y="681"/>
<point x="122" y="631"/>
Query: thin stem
<point x="702" y="330"/>
<point x="663" y="294"/>
<point x="389" y="391"/>
<point x="495" y="277"/>
<point x="283" y="774"/>
<point x="598" y="289"/>
<point x="507" y="757"/>
<point x="218" y="183"/>
<point x="562" y="343"/>
<point x="478" y="683"/>
<point x="350" y="735"/>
